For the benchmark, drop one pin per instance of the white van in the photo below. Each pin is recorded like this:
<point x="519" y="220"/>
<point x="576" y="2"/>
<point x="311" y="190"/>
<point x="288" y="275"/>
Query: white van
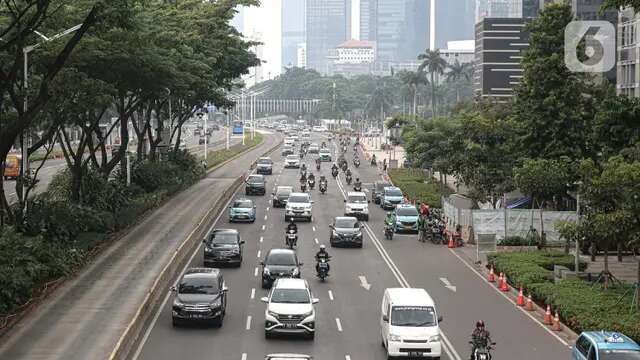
<point x="409" y="324"/>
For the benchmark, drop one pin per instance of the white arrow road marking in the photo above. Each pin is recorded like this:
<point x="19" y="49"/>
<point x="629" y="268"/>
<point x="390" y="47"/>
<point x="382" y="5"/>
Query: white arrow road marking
<point x="347" y="357"/>
<point x="447" y="284"/>
<point x="339" y="324"/>
<point x="364" y="283"/>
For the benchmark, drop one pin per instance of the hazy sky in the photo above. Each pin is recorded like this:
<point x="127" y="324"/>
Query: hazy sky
<point x="266" y="20"/>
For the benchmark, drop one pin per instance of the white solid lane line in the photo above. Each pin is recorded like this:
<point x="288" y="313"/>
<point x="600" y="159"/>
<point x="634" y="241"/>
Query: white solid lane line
<point x="253" y="293"/>
<point x="339" y="324"/>
<point x="249" y="322"/>
<point x="330" y="295"/>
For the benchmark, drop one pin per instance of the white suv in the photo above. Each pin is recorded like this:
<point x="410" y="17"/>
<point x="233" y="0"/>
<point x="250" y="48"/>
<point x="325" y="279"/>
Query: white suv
<point x="290" y="309"/>
<point x="292" y="161"/>
<point x="357" y="205"/>
<point x="299" y="205"/>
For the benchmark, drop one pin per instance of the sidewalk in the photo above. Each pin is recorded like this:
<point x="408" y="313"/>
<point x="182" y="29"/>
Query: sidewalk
<point x="371" y="145"/>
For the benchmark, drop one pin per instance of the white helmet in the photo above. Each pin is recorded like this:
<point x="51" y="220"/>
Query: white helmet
<point x="322" y="247"/>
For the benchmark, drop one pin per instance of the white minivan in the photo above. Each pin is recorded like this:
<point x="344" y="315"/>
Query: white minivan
<point x="409" y="324"/>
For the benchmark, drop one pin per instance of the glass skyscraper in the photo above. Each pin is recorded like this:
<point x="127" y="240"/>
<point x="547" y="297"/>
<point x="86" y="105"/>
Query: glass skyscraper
<point x="401" y="29"/>
<point x="293" y="30"/>
<point x="328" y="24"/>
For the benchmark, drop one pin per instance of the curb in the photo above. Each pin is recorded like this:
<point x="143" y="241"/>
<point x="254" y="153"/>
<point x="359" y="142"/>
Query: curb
<point x="152" y="299"/>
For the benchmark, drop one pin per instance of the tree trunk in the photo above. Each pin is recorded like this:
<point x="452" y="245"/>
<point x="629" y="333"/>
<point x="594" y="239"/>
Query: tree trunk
<point x="433" y="94"/>
<point x="543" y="237"/>
<point x="605" y="285"/>
<point x="415" y="101"/>
<point x="619" y="251"/>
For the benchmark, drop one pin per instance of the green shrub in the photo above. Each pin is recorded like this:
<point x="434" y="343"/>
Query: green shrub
<point x="416" y="185"/>
<point x="517" y="241"/>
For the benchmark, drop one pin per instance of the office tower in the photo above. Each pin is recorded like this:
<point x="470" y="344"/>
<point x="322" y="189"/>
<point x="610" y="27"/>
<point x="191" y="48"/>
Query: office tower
<point x="402" y="30"/>
<point x="368" y="19"/>
<point x="455" y="21"/>
<point x="498" y="9"/>
<point x="293" y="30"/>
<point x="328" y="24"/>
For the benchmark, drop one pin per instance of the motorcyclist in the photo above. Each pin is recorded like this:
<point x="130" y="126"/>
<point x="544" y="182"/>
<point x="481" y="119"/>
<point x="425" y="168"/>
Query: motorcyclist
<point x="311" y="177"/>
<point x="292" y="226"/>
<point x="318" y="162"/>
<point x="373" y="159"/>
<point x="480" y="338"/>
<point x="390" y="220"/>
<point x="323" y="180"/>
<point x="322" y="254"/>
<point x="422" y="227"/>
<point x="348" y="173"/>
<point x="357" y="184"/>
<point x="334" y="166"/>
<point x="303" y="168"/>
<point x="303" y="177"/>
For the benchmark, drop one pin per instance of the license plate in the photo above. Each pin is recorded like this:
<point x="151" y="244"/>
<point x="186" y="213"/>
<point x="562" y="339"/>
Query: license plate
<point x="407" y="227"/>
<point x="416" y="354"/>
<point x="197" y="316"/>
<point x="289" y="326"/>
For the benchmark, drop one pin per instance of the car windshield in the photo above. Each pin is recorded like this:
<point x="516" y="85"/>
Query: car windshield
<point x="243" y="204"/>
<point x="224" y="238"/>
<point x="381" y="186"/>
<point x="265" y="161"/>
<point x="255" y="179"/>
<point x="357" y="199"/>
<point x="407" y="211"/>
<point x="292" y="157"/>
<point x="197" y="285"/>
<point x="325" y="151"/>
<point x="279" y="258"/>
<point x="618" y="354"/>
<point x="413" y="316"/>
<point x="283" y="192"/>
<point x="346" y="223"/>
<point x="393" y="192"/>
<point x="290" y="296"/>
<point x="299" y="199"/>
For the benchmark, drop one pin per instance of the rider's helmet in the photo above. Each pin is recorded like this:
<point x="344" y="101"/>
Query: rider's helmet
<point x="357" y="179"/>
<point x="322" y="247"/>
<point x="291" y="221"/>
<point x="480" y="324"/>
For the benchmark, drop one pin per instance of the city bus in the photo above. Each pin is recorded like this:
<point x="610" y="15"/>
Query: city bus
<point x="237" y="127"/>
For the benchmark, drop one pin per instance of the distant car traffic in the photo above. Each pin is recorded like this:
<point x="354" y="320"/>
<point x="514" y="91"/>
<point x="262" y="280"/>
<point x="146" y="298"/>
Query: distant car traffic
<point x="201" y="296"/>
<point x="290" y="309"/>
<point x="314" y="149"/>
<point x="281" y="195"/>
<point x="406" y="218"/>
<point x="256" y="184"/>
<point x="223" y="246"/>
<point x="279" y="263"/>
<point x="242" y="210"/>
<point x="265" y="166"/>
<point x="287" y="150"/>
<point x="346" y="231"/>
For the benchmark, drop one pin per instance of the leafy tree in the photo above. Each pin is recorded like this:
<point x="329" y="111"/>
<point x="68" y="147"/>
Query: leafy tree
<point x="615" y="127"/>
<point x="414" y="79"/>
<point x="458" y="72"/>
<point x="435" y="65"/>
<point x="545" y="180"/>
<point x="550" y="104"/>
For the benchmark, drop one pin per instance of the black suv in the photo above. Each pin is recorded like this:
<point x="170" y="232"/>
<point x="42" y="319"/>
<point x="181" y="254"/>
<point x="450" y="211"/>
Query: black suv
<point x="264" y="166"/>
<point x="223" y="246"/>
<point x="256" y="184"/>
<point x="378" y="189"/>
<point x="281" y="196"/>
<point x="279" y="263"/>
<point x="346" y="231"/>
<point x="201" y="296"/>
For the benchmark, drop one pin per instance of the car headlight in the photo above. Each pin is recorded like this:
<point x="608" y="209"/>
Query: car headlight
<point x="348" y="208"/>
<point x="434" y="338"/>
<point x="359" y="235"/>
<point x="334" y="233"/>
<point x="393" y="337"/>
<point x="216" y="303"/>
<point x="306" y="315"/>
<point x="266" y="271"/>
<point x="177" y="303"/>
<point x="271" y="313"/>
<point x="295" y="272"/>
<point x="208" y="249"/>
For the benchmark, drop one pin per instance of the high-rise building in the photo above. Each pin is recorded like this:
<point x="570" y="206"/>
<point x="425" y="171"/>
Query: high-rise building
<point x="368" y="19"/>
<point x="301" y="55"/>
<point x="455" y="21"/>
<point x="402" y="30"/>
<point x="628" y="49"/>
<point x="498" y="9"/>
<point x="293" y="30"/>
<point x="328" y="24"/>
<point x="238" y="20"/>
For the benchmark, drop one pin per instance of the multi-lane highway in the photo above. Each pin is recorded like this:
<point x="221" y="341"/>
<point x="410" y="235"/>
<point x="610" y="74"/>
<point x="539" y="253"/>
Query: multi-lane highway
<point x="348" y="314"/>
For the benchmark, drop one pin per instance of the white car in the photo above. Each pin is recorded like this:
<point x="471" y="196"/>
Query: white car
<point x="290" y="309"/>
<point x="289" y="142"/>
<point x="299" y="205"/>
<point x="292" y="161"/>
<point x="357" y="205"/>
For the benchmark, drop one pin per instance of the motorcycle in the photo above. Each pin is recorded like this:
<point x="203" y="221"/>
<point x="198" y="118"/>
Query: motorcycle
<point x="303" y="186"/>
<point x="334" y="173"/>
<point x="348" y="178"/>
<point x="388" y="232"/>
<point x="357" y="187"/>
<point x="323" y="187"/>
<point x="373" y="162"/>
<point x="301" y="155"/>
<point x="436" y="235"/>
<point x="323" y="268"/>
<point x="312" y="184"/>
<point x="344" y="166"/>
<point x="482" y="353"/>
<point x="291" y="239"/>
<point x="356" y="163"/>
<point x="318" y="166"/>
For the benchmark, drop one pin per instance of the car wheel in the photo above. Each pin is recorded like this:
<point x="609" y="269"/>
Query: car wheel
<point x="174" y="322"/>
<point x="311" y="336"/>
<point x="218" y="322"/>
<point x="361" y="245"/>
<point x="267" y="335"/>
<point x="265" y="284"/>
<point x="366" y="218"/>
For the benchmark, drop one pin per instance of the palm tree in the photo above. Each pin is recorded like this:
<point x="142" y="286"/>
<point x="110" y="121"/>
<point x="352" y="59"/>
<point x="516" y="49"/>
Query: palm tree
<point x="435" y="64"/>
<point x="414" y="79"/>
<point x="380" y="102"/>
<point x="457" y="72"/>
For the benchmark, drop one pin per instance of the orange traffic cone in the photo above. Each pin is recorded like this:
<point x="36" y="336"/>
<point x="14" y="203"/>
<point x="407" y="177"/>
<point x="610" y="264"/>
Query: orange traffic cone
<point x="529" y="306"/>
<point x="500" y="280"/>
<point x="556" y="323"/>
<point x="492" y="275"/>
<point x="520" y="300"/>
<point x="452" y="243"/>
<point x="505" y="284"/>
<point x="548" y="319"/>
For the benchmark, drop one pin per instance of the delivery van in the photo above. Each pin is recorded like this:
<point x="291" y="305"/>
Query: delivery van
<point x="409" y="324"/>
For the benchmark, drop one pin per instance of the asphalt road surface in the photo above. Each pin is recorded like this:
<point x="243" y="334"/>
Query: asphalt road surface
<point x="347" y="316"/>
<point x="85" y="317"/>
<point x="52" y="166"/>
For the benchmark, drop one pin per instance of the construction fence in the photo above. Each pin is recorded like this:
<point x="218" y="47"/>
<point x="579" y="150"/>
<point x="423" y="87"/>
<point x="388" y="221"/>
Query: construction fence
<point x="505" y="222"/>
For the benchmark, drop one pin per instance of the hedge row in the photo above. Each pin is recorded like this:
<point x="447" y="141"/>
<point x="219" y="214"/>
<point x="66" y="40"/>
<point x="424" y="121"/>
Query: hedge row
<point x="59" y="233"/>
<point x="219" y="156"/>
<point x="416" y="185"/>
<point x="581" y="306"/>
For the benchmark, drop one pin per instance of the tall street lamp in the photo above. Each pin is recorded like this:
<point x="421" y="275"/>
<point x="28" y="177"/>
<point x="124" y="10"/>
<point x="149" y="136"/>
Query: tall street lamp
<point x="25" y="54"/>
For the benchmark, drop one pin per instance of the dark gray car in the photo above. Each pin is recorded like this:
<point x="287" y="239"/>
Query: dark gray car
<point x="281" y="196"/>
<point x="279" y="263"/>
<point x="378" y="189"/>
<point x="223" y="246"/>
<point x="346" y="231"/>
<point x="201" y="296"/>
<point x="256" y="184"/>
